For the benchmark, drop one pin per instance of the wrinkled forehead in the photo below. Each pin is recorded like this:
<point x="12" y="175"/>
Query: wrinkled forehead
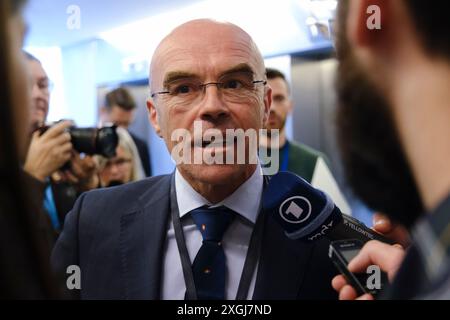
<point x="205" y="50"/>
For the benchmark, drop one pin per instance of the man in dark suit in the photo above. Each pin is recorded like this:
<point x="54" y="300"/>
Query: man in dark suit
<point x="200" y="232"/>
<point x="119" y="109"/>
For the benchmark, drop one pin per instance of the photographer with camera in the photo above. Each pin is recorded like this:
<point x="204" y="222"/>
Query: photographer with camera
<point x="60" y="173"/>
<point x="124" y="167"/>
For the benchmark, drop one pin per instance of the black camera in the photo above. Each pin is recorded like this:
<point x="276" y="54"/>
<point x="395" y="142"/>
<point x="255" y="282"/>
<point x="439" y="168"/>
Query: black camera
<point x="101" y="141"/>
<point x="93" y="141"/>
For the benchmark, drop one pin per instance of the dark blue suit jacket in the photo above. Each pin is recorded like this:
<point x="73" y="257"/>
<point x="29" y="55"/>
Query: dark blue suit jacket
<point x="117" y="237"/>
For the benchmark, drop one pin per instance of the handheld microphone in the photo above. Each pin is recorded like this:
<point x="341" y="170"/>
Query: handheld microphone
<point x="309" y="214"/>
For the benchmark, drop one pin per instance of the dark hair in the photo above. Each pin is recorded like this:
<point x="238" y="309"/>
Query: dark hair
<point x="120" y="97"/>
<point x="274" y="73"/>
<point x="24" y="271"/>
<point x="432" y="25"/>
<point x="16" y="5"/>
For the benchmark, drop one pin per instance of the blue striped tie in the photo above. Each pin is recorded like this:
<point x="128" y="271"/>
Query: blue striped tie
<point x="209" y="267"/>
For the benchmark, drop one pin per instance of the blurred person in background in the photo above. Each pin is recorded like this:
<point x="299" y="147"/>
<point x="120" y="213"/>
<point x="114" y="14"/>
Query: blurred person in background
<point x="119" y="108"/>
<point x="24" y="270"/>
<point x="125" y="167"/>
<point x="296" y="157"/>
<point x="41" y="87"/>
<point x="393" y="129"/>
<point x="49" y="151"/>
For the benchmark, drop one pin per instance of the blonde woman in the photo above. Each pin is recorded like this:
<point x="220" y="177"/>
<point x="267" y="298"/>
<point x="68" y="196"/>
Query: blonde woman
<point x="125" y="167"/>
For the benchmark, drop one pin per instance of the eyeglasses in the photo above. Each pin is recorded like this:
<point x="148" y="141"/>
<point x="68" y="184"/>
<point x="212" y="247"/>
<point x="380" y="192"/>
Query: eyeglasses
<point x="117" y="162"/>
<point x="234" y="87"/>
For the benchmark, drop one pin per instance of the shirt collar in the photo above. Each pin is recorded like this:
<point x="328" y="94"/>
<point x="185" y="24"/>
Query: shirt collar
<point x="246" y="200"/>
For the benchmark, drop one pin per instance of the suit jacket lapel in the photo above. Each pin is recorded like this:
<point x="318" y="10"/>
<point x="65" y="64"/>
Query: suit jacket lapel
<point x="282" y="265"/>
<point x="142" y="237"/>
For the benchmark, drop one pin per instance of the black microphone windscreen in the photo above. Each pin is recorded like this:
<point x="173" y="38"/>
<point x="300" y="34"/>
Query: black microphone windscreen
<point x="304" y="212"/>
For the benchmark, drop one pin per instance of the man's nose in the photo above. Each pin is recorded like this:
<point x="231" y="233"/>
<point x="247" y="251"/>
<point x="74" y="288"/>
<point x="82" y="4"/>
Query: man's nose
<point x="213" y="107"/>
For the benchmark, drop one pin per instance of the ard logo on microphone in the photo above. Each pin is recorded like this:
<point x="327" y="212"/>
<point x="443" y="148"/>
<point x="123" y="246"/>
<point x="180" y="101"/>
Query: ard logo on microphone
<point x="295" y="210"/>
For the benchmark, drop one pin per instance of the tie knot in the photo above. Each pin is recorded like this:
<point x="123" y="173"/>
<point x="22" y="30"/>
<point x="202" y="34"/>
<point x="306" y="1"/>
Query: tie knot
<point x="212" y="222"/>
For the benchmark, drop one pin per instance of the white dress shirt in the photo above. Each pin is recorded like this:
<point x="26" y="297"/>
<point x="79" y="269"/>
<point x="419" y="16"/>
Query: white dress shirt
<point x="245" y="201"/>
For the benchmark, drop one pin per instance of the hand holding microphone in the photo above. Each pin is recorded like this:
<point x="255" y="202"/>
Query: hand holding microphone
<point x="396" y="232"/>
<point x="387" y="257"/>
<point x="308" y="214"/>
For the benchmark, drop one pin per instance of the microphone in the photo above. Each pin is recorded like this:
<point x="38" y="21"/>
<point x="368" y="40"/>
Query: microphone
<point x="309" y="214"/>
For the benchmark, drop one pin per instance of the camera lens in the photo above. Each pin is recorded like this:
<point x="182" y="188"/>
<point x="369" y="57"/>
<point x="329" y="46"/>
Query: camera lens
<point x="107" y="141"/>
<point x="95" y="141"/>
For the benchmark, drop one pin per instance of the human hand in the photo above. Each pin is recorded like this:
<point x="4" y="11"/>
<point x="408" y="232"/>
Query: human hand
<point x="382" y="224"/>
<point x="48" y="152"/>
<point x="387" y="257"/>
<point x="83" y="172"/>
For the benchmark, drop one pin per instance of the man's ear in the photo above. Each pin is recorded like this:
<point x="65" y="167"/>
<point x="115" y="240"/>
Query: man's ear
<point x="153" y="117"/>
<point x="368" y="22"/>
<point x="267" y="103"/>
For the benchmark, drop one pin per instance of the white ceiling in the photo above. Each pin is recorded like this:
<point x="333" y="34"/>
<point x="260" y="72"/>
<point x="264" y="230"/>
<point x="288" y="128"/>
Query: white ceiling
<point x="47" y="19"/>
<point x="277" y="26"/>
